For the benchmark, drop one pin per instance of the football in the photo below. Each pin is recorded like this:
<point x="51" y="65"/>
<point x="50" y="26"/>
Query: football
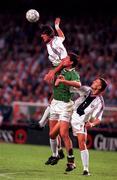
<point x="32" y="15"/>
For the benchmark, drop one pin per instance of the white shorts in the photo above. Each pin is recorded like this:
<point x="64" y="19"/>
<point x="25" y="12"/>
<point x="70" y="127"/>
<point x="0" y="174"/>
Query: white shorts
<point x="78" y="125"/>
<point x="60" y="110"/>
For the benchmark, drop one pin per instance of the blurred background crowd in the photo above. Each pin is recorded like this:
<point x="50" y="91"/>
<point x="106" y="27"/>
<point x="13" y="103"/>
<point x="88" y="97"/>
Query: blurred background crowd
<point x="24" y="59"/>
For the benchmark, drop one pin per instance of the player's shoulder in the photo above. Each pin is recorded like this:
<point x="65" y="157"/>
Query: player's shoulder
<point x="73" y="70"/>
<point x="75" y="73"/>
<point x="101" y="100"/>
<point x="85" y="88"/>
<point x="58" y="39"/>
<point x="82" y="91"/>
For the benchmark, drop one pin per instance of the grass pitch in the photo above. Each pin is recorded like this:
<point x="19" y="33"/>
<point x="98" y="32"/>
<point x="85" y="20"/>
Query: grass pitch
<point x="23" y="162"/>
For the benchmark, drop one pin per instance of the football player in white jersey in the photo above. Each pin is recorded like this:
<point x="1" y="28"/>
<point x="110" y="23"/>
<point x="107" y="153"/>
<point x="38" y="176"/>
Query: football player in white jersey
<point x="56" y="49"/>
<point x="57" y="53"/>
<point x="88" y="110"/>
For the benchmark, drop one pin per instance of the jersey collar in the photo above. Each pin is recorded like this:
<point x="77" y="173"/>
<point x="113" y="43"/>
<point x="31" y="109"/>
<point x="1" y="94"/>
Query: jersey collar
<point x="72" y="69"/>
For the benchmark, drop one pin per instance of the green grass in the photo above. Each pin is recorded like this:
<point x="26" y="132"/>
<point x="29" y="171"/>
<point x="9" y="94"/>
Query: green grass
<point x="20" y="162"/>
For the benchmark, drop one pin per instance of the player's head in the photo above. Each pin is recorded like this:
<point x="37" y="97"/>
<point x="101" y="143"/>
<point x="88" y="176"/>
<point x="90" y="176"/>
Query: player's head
<point x="99" y="85"/>
<point x="75" y="51"/>
<point x="47" y="33"/>
<point x="73" y="58"/>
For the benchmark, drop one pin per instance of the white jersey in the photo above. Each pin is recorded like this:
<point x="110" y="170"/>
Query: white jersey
<point x="56" y="50"/>
<point x="88" y="107"/>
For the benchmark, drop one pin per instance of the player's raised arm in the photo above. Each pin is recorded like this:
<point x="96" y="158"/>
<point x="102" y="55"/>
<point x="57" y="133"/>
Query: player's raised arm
<point x="58" y="29"/>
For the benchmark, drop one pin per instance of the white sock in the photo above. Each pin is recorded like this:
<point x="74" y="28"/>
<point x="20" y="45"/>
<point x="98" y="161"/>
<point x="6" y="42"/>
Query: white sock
<point x="54" y="147"/>
<point x="44" y="118"/>
<point x="85" y="159"/>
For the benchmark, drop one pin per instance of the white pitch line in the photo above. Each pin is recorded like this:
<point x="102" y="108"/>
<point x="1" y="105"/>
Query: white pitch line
<point x="4" y="175"/>
<point x="12" y="173"/>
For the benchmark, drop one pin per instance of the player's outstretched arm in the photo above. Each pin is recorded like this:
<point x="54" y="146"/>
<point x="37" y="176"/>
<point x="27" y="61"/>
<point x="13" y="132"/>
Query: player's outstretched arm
<point x="58" y="29"/>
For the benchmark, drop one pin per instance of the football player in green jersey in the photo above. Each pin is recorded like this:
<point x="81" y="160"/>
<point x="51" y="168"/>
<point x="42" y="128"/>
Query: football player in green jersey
<point x="61" y="108"/>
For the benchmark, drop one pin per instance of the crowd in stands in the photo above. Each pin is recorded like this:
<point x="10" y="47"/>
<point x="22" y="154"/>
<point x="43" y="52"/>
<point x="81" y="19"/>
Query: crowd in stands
<point x="24" y="60"/>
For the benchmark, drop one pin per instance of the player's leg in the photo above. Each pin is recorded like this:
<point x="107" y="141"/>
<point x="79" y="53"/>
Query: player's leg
<point x="64" y="132"/>
<point x="55" y="133"/>
<point x="60" y="149"/>
<point x="79" y="130"/>
<point x="53" y="120"/>
<point x="53" y="143"/>
<point x="82" y="137"/>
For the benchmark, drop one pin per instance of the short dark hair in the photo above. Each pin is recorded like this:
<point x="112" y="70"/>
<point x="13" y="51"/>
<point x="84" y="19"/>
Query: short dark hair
<point x="104" y="84"/>
<point x="73" y="58"/>
<point x="47" y="29"/>
<point x="76" y="51"/>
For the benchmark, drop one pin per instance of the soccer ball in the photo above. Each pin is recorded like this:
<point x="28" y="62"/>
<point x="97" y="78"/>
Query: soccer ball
<point x="32" y="15"/>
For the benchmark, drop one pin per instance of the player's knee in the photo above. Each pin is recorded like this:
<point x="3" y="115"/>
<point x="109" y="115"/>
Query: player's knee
<point x="52" y="135"/>
<point x="64" y="135"/>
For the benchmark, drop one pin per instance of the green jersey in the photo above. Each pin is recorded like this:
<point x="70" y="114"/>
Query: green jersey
<point x="62" y="91"/>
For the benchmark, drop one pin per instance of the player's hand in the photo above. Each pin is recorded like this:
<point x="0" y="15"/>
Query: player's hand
<point x="57" y="21"/>
<point x="59" y="79"/>
<point x="50" y="76"/>
<point x="89" y="125"/>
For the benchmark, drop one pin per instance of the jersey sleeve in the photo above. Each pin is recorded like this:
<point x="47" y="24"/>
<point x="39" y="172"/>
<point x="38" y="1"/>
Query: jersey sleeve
<point x="83" y="90"/>
<point x="98" y="111"/>
<point x="59" y="46"/>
